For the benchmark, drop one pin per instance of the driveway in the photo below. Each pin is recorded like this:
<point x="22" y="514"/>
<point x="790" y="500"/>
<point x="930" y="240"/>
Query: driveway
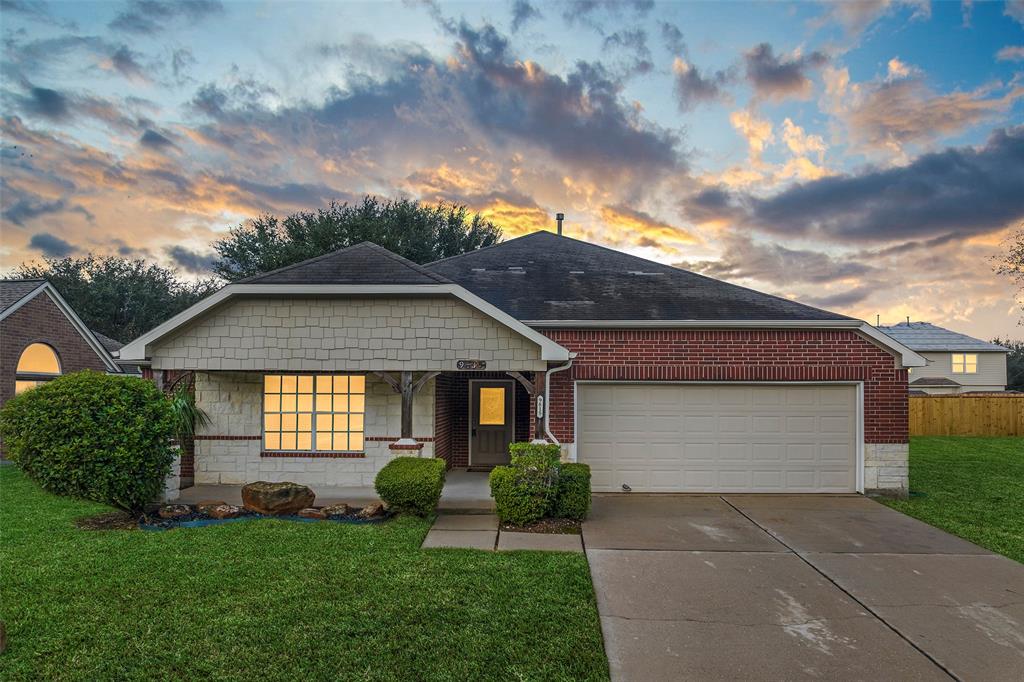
<point x="781" y="587"/>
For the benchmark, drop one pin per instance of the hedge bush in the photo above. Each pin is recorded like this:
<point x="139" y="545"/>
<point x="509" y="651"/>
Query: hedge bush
<point x="573" y="498"/>
<point x="520" y="496"/>
<point x="96" y="436"/>
<point x="411" y="484"/>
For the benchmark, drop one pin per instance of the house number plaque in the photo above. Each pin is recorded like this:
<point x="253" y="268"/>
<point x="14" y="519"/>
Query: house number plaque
<point x="471" y="364"/>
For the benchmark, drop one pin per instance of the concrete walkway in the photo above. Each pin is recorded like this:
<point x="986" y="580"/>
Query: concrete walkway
<point x="481" y="531"/>
<point x="783" y="587"/>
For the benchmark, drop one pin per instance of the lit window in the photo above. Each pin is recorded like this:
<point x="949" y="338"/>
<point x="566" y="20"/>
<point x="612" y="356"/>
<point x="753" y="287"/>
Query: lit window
<point x="313" y="413"/>
<point x="38" y="363"/>
<point x="965" y="363"/>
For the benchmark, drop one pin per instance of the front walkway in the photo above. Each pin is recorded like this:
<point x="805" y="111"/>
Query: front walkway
<point x="481" y="531"/>
<point x="782" y="587"/>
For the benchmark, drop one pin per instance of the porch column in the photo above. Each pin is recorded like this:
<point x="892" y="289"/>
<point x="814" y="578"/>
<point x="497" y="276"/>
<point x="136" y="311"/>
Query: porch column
<point x="406" y="388"/>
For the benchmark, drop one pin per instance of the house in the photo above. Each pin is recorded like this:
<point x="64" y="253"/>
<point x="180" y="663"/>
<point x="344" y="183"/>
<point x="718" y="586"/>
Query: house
<point x="41" y="338"/>
<point x="661" y="380"/>
<point x="957" y="363"/>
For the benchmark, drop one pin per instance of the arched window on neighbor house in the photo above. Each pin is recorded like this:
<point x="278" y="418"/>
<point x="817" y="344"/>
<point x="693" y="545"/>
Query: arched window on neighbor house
<point x="38" y="363"/>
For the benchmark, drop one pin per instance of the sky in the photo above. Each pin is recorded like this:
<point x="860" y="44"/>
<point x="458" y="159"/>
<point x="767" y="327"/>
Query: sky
<point x="866" y="158"/>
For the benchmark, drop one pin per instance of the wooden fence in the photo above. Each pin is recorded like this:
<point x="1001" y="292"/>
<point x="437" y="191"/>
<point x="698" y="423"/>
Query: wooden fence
<point x="966" y="415"/>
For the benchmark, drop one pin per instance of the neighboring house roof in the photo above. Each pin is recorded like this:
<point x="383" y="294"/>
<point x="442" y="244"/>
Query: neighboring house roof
<point x="108" y="343"/>
<point x="363" y="263"/>
<point x="547" y="277"/>
<point x="924" y="336"/>
<point x="935" y="381"/>
<point x="16" y="293"/>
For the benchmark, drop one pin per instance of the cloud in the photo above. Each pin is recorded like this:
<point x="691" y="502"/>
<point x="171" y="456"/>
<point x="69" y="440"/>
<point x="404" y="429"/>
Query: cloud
<point x="154" y="16"/>
<point x="1011" y="53"/>
<point x="856" y="17"/>
<point x="125" y="62"/>
<point x="154" y="140"/>
<point x="693" y="88"/>
<point x="586" y="11"/>
<point x="637" y="228"/>
<point x="962" y="190"/>
<point x="45" y="103"/>
<point x="191" y="261"/>
<point x="1015" y="10"/>
<point x="842" y="299"/>
<point x="756" y="131"/>
<point x="522" y="12"/>
<point x="51" y="246"/>
<point x="35" y="10"/>
<point x="634" y="42"/>
<point x="779" y="77"/>
<point x="181" y="60"/>
<point x="673" y="39"/>
<point x="897" y="69"/>
<point x="800" y="142"/>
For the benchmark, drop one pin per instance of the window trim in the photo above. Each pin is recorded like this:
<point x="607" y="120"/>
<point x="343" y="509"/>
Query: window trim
<point x="313" y="451"/>
<point x="36" y="378"/>
<point x="964" y="363"/>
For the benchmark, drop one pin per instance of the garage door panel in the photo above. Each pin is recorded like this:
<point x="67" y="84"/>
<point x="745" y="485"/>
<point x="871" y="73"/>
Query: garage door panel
<point x="718" y="438"/>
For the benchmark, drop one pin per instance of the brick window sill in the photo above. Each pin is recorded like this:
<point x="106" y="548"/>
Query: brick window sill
<point x="315" y="455"/>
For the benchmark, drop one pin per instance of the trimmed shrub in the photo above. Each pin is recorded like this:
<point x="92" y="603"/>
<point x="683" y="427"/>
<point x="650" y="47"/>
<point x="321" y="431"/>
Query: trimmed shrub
<point x="573" y="498"/>
<point x="95" y="436"/>
<point x="411" y="484"/>
<point x="549" y="453"/>
<point x="520" y="497"/>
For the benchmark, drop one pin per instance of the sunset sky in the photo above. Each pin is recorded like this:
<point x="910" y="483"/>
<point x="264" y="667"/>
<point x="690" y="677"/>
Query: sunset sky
<point x="867" y="158"/>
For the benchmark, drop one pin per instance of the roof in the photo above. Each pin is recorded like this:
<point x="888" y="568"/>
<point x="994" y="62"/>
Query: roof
<point x="108" y="343"/>
<point x="545" y="277"/>
<point x="13" y="290"/>
<point x="934" y="381"/>
<point x="924" y="336"/>
<point x="363" y="263"/>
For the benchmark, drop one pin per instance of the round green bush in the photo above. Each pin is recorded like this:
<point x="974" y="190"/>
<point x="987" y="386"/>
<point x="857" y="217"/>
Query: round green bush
<point x="521" y="497"/>
<point x="573" y="499"/>
<point x="411" y="484"/>
<point x="96" y="436"/>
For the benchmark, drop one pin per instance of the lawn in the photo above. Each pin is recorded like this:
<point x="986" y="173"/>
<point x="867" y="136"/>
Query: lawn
<point x="970" y="486"/>
<point x="280" y="600"/>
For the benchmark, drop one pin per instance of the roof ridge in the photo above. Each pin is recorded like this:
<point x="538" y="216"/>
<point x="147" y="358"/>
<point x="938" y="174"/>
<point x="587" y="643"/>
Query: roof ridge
<point x="486" y="248"/>
<point x="402" y="260"/>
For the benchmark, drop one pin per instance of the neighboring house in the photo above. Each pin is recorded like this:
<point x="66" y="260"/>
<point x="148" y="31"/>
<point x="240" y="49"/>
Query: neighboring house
<point x="658" y="378"/>
<point x="957" y="363"/>
<point x="41" y="338"/>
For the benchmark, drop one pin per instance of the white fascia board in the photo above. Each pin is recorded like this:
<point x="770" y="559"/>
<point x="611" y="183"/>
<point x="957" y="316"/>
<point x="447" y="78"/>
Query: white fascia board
<point x="136" y="351"/>
<point x="908" y="358"/>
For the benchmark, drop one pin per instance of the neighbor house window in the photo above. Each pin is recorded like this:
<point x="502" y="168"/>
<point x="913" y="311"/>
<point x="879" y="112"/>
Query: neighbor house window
<point x="38" y="363"/>
<point x="313" y="413"/>
<point x="965" y="363"/>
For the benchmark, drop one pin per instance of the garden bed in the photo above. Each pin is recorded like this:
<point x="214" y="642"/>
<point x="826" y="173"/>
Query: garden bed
<point x="195" y="518"/>
<point x="548" y="526"/>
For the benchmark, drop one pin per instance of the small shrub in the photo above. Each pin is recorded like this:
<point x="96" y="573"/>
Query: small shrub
<point x="411" y="484"/>
<point x="520" y="497"/>
<point x="548" y="452"/>
<point x="95" y="436"/>
<point x="573" y="498"/>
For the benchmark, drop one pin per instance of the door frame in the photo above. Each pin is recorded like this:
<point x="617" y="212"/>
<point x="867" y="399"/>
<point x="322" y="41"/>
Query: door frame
<point x="469" y="409"/>
<point x="859" y="426"/>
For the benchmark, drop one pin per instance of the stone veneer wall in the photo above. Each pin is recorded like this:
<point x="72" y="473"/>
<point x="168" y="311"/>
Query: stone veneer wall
<point x="323" y="334"/>
<point x="228" y="449"/>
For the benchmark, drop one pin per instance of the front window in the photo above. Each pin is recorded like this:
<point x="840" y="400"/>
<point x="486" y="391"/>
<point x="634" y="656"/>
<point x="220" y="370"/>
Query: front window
<point x="313" y="413"/>
<point x="965" y="363"/>
<point x="38" y="363"/>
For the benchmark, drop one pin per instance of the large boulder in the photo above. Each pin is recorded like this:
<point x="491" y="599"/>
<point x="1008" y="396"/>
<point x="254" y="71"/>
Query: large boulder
<point x="264" y="497"/>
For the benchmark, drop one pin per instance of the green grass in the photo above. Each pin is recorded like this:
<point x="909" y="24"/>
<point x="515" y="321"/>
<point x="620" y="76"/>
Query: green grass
<point x="970" y="486"/>
<point x="280" y="600"/>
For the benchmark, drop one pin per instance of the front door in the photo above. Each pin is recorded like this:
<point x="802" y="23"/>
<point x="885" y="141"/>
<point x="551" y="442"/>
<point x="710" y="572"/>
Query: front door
<point x="491" y="422"/>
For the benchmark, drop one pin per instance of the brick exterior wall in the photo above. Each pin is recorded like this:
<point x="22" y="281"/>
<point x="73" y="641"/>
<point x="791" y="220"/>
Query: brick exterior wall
<point x="40" y="320"/>
<point x="747" y="355"/>
<point x="452" y="414"/>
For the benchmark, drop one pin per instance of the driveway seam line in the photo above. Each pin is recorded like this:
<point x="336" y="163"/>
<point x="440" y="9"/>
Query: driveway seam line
<point x="847" y="593"/>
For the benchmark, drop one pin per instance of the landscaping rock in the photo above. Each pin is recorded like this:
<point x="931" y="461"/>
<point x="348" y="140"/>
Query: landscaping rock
<point x="174" y="511"/>
<point x="206" y="505"/>
<point x="371" y="511"/>
<point x="223" y="511"/>
<point x="264" y="497"/>
<point x="312" y="513"/>
<point x="340" y="509"/>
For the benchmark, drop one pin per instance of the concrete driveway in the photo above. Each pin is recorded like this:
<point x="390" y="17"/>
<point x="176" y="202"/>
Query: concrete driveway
<point x="781" y="587"/>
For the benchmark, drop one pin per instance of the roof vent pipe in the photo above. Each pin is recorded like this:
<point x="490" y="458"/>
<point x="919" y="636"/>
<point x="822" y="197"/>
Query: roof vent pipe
<point x="559" y="217"/>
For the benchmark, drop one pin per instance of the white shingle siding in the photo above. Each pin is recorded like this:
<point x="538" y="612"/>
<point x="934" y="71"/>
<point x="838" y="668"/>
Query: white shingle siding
<point x="991" y="374"/>
<point x="346" y="335"/>
<point x="233" y="401"/>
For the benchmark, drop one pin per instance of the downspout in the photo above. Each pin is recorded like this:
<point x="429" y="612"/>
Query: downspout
<point x="547" y="397"/>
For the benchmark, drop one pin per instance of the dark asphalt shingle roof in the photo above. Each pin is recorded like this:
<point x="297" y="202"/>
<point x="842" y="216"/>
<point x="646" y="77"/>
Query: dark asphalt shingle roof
<point x="110" y="344"/>
<point x="924" y="336"/>
<point x="13" y="290"/>
<point x="543" y="276"/>
<point x="934" y="381"/>
<point x="363" y="263"/>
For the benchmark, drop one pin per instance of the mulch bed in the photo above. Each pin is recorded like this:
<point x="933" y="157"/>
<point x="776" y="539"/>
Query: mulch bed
<point x="554" y="526"/>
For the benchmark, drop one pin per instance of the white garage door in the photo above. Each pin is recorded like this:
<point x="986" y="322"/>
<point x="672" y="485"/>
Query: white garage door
<point x="718" y="438"/>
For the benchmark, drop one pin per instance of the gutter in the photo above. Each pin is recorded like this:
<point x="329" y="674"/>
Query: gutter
<point x="547" y="397"/>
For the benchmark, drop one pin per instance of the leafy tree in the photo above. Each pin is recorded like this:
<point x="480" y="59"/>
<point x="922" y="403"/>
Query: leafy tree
<point x="1014" y="363"/>
<point x="1011" y="262"/>
<point x="118" y="297"/>
<point x="420" y="232"/>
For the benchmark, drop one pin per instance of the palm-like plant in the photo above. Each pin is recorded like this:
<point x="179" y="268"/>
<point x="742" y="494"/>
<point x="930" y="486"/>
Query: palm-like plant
<point x="187" y="415"/>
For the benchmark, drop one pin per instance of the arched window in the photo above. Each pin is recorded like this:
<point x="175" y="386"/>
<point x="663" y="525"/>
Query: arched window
<point x="38" y="363"/>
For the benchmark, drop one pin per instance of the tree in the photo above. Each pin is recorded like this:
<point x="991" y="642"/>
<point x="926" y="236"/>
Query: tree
<point x="118" y="297"/>
<point x="1011" y="263"/>
<point x="420" y="232"/>
<point x="1014" y="363"/>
